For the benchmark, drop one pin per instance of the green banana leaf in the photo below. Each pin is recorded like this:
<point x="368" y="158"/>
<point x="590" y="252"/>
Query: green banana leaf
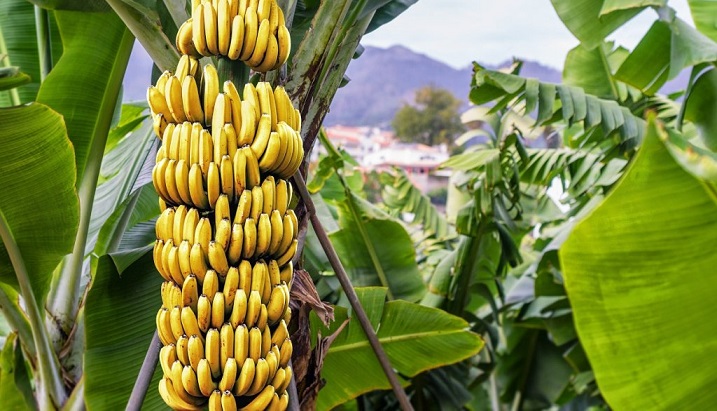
<point x="583" y="19"/>
<point x="609" y="6"/>
<point x="592" y="70"/>
<point x="701" y="105"/>
<point x="638" y="271"/>
<point x="17" y="27"/>
<point x="38" y="200"/>
<point x="74" y="5"/>
<point x="15" y="387"/>
<point x="415" y="338"/>
<point x="12" y="79"/>
<point x="85" y="84"/>
<point x="120" y="320"/>
<point x="373" y="245"/>
<point x="704" y="14"/>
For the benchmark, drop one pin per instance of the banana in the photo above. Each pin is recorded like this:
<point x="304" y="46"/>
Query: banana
<point x="280" y="334"/>
<point x="289" y="254"/>
<point x="164" y="327"/>
<point x="241" y="10"/>
<point x="245" y="273"/>
<point x="273" y="361"/>
<point x="294" y="220"/>
<point x="234" y="10"/>
<point x="250" y="238"/>
<point x="276" y="305"/>
<point x="236" y="243"/>
<point x="277" y="233"/>
<point x="189" y="382"/>
<point x="158" y="103"/>
<point x="289" y="234"/>
<point x="229" y="374"/>
<point x="218" y="259"/>
<point x="222" y="209"/>
<point x="158" y="179"/>
<point x="164" y="258"/>
<point x="198" y="35"/>
<point x="215" y="401"/>
<point x="231" y="284"/>
<point x="182" y="67"/>
<point x="263" y="237"/>
<point x="237" y="39"/>
<point x="262" y="42"/>
<point x="253" y="309"/>
<point x="204" y="378"/>
<point x="251" y="29"/>
<point x="264" y="9"/>
<point x="224" y="26"/>
<point x="268" y="187"/>
<point x="181" y="178"/>
<point x="273" y="152"/>
<point x="259" y="276"/>
<point x="184" y="135"/>
<point x="261" y="140"/>
<point x="251" y="95"/>
<point x="282" y="111"/>
<point x="286" y="349"/>
<point x="239" y="168"/>
<point x="274" y="17"/>
<point x="195" y="142"/>
<point x="210" y="27"/>
<point x="175" y="320"/>
<point x="171" y="141"/>
<point x="243" y="208"/>
<point x="157" y="258"/>
<point x="263" y="320"/>
<point x="229" y="403"/>
<point x="191" y="220"/>
<point x="166" y="293"/>
<point x="223" y="233"/>
<point x="162" y="204"/>
<point x="266" y="345"/>
<point x="231" y="133"/>
<point x="289" y="374"/>
<point x="278" y="379"/>
<point x="271" y="55"/>
<point x="257" y="202"/>
<point x="183" y="257"/>
<point x="182" y="347"/>
<point x="231" y="91"/>
<point x="172" y="260"/>
<point x="195" y="351"/>
<point x="255" y="337"/>
<point x="298" y="155"/>
<point x="261" y="377"/>
<point x="184" y="41"/>
<point x="190" y="322"/>
<point x="167" y="357"/>
<point x="246" y="377"/>
<point x="196" y="188"/>
<point x="284" y="39"/>
<point x="204" y="314"/>
<point x="219" y="137"/>
<point x="178" y="223"/>
<point x="226" y="351"/>
<point x="287" y="156"/>
<point x="170" y="396"/>
<point x="173" y="95"/>
<point x="282" y="196"/>
<point x="190" y="292"/>
<point x="227" y="176"/>
<point x="218" y="310"/>
<point x="210" y="91"/>
<point x="197" y="262"/>
<point x="210" y="286"/>
<point x="190" y="99"/>
<point x="248" y="122"/>
<point x="206" y="150"/>
<point x="159" y="123"/>
<point x="211" y="352"/>
<point x="297" y="120"/>
<point x="213" y="184"/>
<point x="253" y="173"/>
<point x="238" y="312"/>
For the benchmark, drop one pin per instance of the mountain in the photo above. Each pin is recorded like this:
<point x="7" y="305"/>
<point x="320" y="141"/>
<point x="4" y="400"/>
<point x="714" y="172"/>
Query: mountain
<point x="382" y="80"/>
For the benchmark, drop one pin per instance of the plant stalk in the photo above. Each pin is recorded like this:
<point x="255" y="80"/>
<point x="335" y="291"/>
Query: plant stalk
<point x="351" y="294"/>
<point x="44" y="44"/>
<point x="17" y="321"/>
<point x="5" y="62"/>
<point x="50" y="389"/>
<point x="336" y="44"/>
<point x="141" y="385"/>
<point x="177" y="11"/>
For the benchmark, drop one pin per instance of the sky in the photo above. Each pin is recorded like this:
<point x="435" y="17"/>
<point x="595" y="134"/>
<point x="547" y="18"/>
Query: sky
<point x="459" y="32"/>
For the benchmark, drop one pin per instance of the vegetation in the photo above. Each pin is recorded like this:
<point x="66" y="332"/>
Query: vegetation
<point x="520" y="300"/>
<point x="433" y="118"/>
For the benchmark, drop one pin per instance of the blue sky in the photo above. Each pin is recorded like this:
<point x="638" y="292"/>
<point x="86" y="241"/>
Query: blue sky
<point x="458" y="32"/>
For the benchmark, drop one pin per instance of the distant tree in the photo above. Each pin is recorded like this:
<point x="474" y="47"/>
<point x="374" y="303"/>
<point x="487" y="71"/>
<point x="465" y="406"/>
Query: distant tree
<point x="434" y="119"/>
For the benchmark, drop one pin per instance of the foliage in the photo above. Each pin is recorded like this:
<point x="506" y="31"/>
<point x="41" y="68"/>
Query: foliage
<point x="432" y="120"/>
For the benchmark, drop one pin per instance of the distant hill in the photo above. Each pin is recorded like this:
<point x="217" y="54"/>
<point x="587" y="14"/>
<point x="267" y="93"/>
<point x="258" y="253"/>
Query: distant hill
<point x="382" y="80"/>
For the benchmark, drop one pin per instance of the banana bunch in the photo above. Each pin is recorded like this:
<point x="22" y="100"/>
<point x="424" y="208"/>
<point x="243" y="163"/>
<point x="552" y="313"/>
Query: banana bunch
<point x="253" y="31"/>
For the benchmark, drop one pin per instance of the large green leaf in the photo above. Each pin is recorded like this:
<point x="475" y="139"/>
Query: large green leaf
<point x="76" y="5"/>
<point x="609" y="6"/>
<point x="701" y="106"/>
<point x="38" y="198"/>
<point x="389" y="10"/>
<point x="416" y="338"/>
<point x="15" y="388"/>
<point x="85" y="84"/>
<point x="373" y="245"/>
<point x="647" y="67"/>
<point x="120" y="321"/>
<point x="592" y="70"/>
<point x="704" y="14"/>
<point x="583" y="19"/>
<point x="640" y="290"/>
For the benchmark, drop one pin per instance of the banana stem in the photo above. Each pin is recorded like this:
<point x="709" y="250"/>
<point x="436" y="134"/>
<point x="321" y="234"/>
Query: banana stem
<point x="76" y="402"/>
<point x="141" y="385"/>
<point x="17" y="321"/>
<point x="351" y="294"/>
<point x="44" y="45"/>
<point x="236" y="71"/>
<point x="336" y="44"/>
<point x="177" y="11"/>
<point x="50" y="390"/>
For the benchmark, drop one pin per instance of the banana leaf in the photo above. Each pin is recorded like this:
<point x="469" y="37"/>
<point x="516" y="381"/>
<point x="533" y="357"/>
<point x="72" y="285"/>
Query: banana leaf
<point x="583" y="19"/>
<point x="639" y="271"/>
<point x="704" y="14"/>
<point x="15" y="388"/>
<point x="415" y="338"/>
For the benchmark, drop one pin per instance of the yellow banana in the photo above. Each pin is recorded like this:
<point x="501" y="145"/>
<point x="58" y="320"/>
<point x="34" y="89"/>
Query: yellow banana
<point x="211" y="352"/>
<point x="263" y="237"/>
<point x="266" y="345"/>
<point x="241" y="10"/>
<point x="289" y="254"/>
<point x="262" y="42"/>
<point x="253" y="309"/>
<point x="204" y="314"/>
<point x="190" y="322"/>
<point x="231" y="91"/>
<point x="171" y="398"/>
<point x="251" y="95"/>
<point x="167" y="357"/>
<point x="257" y="202"/>
<point x="190" y="292"/>
<point x="273" y="362"/>
<point x="171" y="143"/>
<point x="181" y="178"/>
<point x="245" y="273"/>
<point x="158" y="103"/>
<point x="284" y="39"/>
<point x="191" y="220"/>
<point x="172" y="260"/>
<point x="184" y="41"/>
<point x="210" y="89"/>
<point x="218" y="259"/>
<point x="182" y="348"/>
<point x="218" y="310"/>
<point x="272" y="153"/>
<point x="190" y="99"/>
<point x="250" y="238"/>
<point x="236" y="243"/>
<point x="288" y="146"/>
<point x="275" y="307"/>
<point x="268" y="187"/>
<point x="210" y="28"/>
<point x="274" y="17"/>
<point x="278" y="379"/>
<point x="274" y="273"/>
<point x="271" y="56"/>
<point x="182" y="67"/>
<point x="197" y="261"/>
<point x="219" y="137"/>
<point x="246" y="377"/>
<point x="195" y="351"/>
<point x="227" y="176"/>
<point x="184" y="135"/>
<point x="259" y="385"/>
<point x="215" y="401"/>
<point x="178" y="223"/>
<point x="222" y="209"/>
<point x="289" y="233"/>
<point x="231" y="284"/>
<point x="189" y="382"/>
<point x="223" y="233"/>
<point x="164" y="327"/>
<point x="277" y="233"/>
<point x="194" y="142"/>
<point x="238" y="312"/>
<point x="206" y="150"/>
<point x="183" y="257"/>
<point x="196" y="188"/>
<point x="231" y="134"/>
<point x="244" y="207"/>
<point x="264" y="9"/>
<point x="251" y="29"/>
<point x="210" y="286"/>
<point x="280" y="334"/>
<point x="239" y="167"/>
<point x="226" y="351"/>
<point x="253" y="173"/>
<point x="241" y="343"/>
<point x="282" y="196"/>
<point x="204" y="378"/>
<point x="255" y="338"/>
<point x="229" y="403"/>
<point x="286" y="349"/>
<point x="229" y="375"/>
<point x="175" y="319"/>
<point x="263" y="319"/>
<point x="261" y="140"/>
<point x="224" y="26"/>
<point x="289" y="373"/>
<point x="259" y="276"/>
<point x="159" y="181"/>
<point x="173" y="95"/>
<point x="198" y="35"/>
<point x="213" y="184"/>
<point x="165" y="224"/>
<point x="159" y="124"/>
<point x="248" y="122"/>
<point x="237" y="39"/>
